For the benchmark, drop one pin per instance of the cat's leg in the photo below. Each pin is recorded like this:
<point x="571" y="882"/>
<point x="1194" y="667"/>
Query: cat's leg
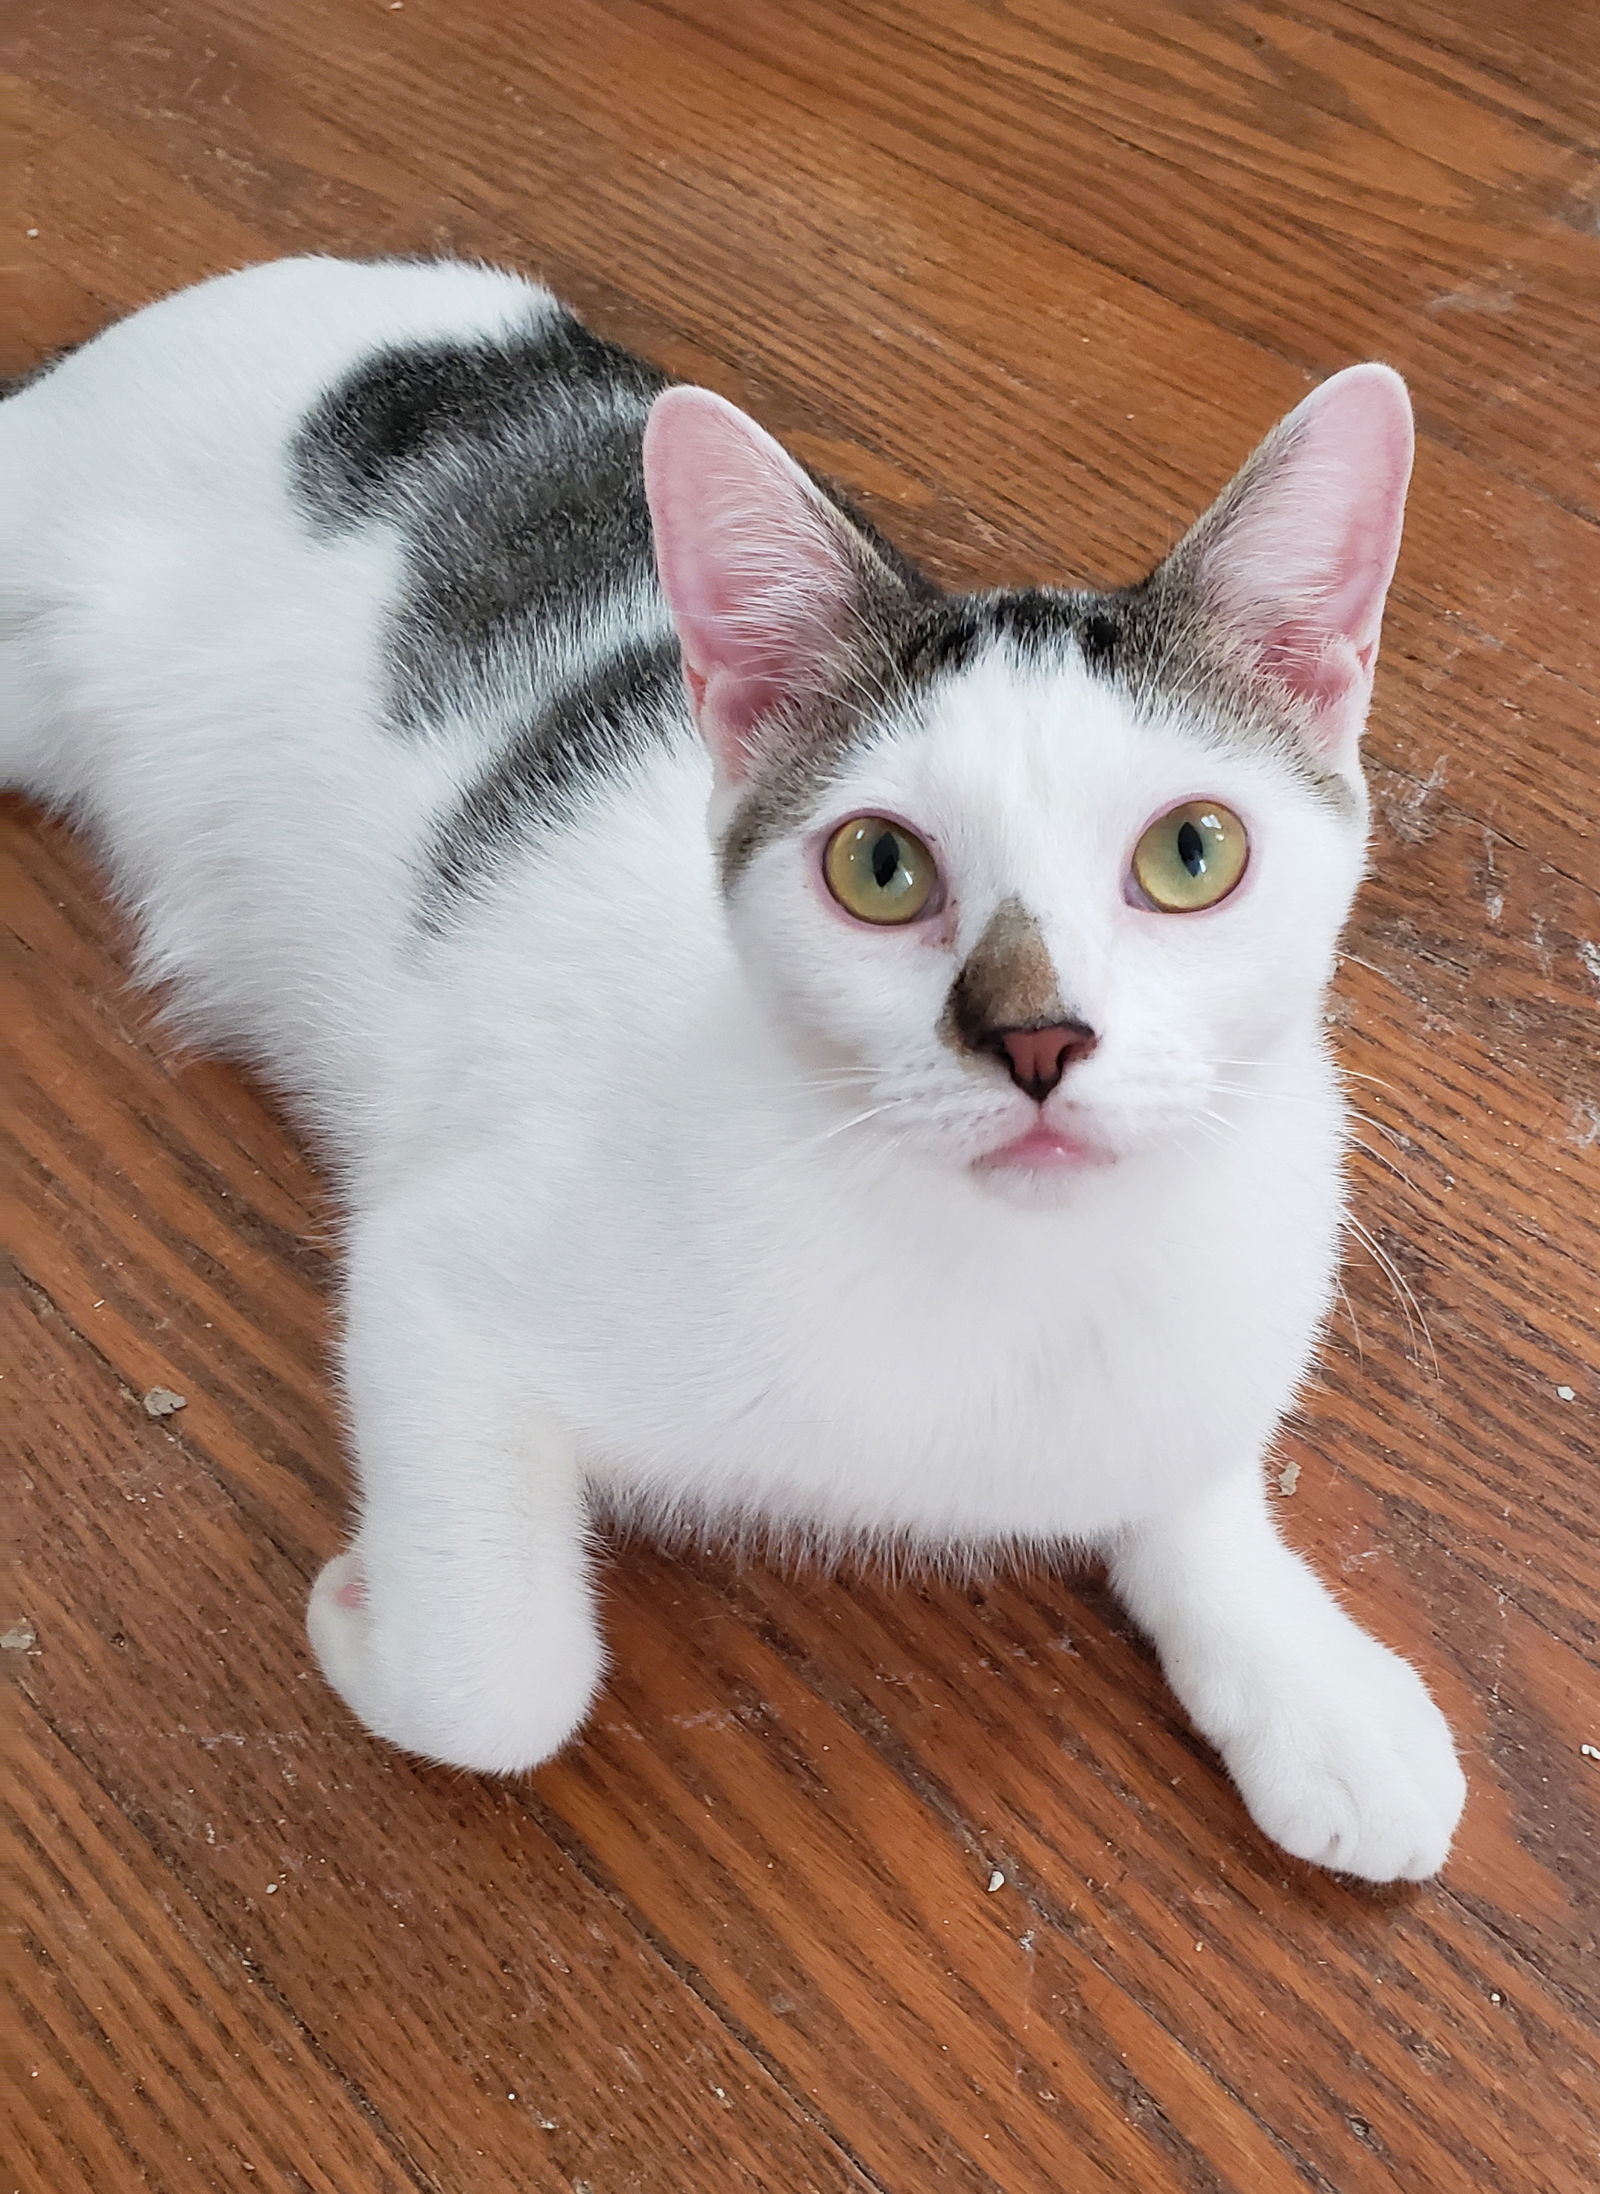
<point x="1337" y="1748"/>
<point x="461" y="1622"/>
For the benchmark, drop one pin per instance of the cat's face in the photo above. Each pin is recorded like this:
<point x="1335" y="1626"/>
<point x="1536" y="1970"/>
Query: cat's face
<point x="1038" y="824"/>
<point x="1031" y="882"/>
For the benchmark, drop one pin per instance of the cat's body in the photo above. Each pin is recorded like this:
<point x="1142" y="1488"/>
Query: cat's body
<point x="674" y="1187"/>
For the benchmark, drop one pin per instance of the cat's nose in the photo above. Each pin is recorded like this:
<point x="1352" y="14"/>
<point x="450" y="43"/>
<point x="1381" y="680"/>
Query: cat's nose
<point x="1038" y="1057"/>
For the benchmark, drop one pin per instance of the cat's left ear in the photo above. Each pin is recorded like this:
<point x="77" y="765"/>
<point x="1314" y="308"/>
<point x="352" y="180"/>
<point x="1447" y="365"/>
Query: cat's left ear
<point x="760" y="571"/>
<point x="1295" y="558"/>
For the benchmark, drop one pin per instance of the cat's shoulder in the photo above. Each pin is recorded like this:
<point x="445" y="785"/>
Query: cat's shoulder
<point x="373" y="301"/>
<point x="260" y="347"/>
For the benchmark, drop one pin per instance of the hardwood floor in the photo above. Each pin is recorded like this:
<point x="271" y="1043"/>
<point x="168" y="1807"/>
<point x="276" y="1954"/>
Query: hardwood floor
<point x="855" y="1884"/>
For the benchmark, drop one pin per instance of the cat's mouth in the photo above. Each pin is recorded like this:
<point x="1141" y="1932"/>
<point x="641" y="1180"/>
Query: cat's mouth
<point x="1045" y="1147"/>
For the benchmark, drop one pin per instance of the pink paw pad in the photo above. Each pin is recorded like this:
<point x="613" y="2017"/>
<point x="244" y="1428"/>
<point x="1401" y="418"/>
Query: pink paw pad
<point x="353" y="1592"/>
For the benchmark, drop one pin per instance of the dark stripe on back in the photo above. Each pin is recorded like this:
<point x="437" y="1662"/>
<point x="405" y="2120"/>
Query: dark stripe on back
<point x="511" y="467"/>
<point x="588" y="732"/>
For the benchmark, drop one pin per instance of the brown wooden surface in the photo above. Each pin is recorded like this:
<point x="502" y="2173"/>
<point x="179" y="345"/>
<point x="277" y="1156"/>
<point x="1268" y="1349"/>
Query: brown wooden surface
<point x="1029" y="278"/>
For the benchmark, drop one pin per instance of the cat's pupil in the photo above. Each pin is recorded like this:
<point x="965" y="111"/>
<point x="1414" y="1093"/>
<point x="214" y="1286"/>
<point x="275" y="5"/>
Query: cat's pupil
<point x="1191" y="849"/>
<point x="885" y="860"/>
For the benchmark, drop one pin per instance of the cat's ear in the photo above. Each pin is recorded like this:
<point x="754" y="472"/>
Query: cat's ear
<point x="758" y="568"/>
<point x="1295" y="558"/>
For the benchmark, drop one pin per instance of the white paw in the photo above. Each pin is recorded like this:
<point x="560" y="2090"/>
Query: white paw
<point x="1341" y="1756"/>
<point x="453" y="1691"/>
<point x="336" y="1623"/>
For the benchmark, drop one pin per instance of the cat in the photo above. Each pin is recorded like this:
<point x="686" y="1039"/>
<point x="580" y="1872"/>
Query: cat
<point x="800" y="1050"/>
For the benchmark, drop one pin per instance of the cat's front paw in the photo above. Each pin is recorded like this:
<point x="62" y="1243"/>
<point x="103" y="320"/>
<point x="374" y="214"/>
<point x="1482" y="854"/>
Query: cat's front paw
<point x="448" y="1683"/>
<point x="1343" y="1759"/>
<point x="336" y="1623"/>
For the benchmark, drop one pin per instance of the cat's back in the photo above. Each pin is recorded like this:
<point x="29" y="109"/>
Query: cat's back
<point x="211" y="384"/>
<point x="152" y="494"/>
<point x="288" y="563"/>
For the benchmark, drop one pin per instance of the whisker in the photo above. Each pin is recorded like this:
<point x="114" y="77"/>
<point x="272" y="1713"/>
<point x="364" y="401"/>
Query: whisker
<point x="1355" y="1322"/>
<point x="793" y="1151"/>
<point x="1382" y="1127"/>
<point x="1297" y="1097"/>
<point x="1384" y="1159"/>
<point x="889" y="1104"/>
<point x="1402" y="1290"/>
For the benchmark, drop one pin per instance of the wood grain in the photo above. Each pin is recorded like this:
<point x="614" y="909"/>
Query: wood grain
<point x="1029" y="278"/>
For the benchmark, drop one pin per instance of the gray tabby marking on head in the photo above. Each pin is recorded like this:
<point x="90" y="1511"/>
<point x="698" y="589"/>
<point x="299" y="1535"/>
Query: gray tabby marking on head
<point x="902" y="637"/>
<point x="1162" y="641"/>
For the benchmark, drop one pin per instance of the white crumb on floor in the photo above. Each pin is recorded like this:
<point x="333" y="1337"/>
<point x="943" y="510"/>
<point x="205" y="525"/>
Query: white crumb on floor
<point x="996" y="1881"/>
<point x="19" y="1638"/>
<point x="161" y="1401"/>
<point x="1590" y="1752"/>
<point x="1566" y="1394"/>
<point x="1288" y="1477"/>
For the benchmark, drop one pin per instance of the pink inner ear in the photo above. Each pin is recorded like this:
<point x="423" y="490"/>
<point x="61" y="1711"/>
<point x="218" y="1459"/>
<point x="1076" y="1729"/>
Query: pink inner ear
<point x="1326" y="671"/>
<point x="751" y="561"/>
<point x="1302" y="567"/>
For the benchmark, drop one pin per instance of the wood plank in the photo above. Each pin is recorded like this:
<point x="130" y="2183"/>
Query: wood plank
<point x="114" y="229"/>
<point x="1312" y="184"/>
<point x="127" y="1992"/>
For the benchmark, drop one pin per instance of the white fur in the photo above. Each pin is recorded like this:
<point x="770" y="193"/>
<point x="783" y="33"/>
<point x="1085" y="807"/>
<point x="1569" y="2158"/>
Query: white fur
<point x="668" y="1206"/>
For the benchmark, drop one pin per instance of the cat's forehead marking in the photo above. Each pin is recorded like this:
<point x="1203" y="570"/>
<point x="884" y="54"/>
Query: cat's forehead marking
<point x="1154" y="642"/>
<point x="909" y="642"/>
<point x="1008" y="980"/>
<point x="1040" y="622"/>
<point x="1151" y="643"/>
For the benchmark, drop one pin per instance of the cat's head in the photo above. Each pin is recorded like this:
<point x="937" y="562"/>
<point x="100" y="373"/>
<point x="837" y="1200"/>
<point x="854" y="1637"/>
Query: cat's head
<point x="1032" y="880"/>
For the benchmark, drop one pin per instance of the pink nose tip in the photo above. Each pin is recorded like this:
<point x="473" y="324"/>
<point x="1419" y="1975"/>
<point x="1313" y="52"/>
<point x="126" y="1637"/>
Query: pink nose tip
<point x="1038" y="1057"/>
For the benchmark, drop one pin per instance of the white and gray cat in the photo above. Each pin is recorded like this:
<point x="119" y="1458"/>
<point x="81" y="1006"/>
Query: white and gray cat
<point x="800" y="1048"/>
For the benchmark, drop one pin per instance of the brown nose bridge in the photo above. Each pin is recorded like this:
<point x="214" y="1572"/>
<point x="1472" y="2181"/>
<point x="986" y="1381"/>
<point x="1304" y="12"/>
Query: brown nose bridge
<point x="1006" y="1004"/>
<point x="1038" y="1057"/>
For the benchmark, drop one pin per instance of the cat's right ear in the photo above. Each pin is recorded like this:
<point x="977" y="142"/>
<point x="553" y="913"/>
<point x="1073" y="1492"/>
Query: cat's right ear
<point x="755" y="564"/>
<point x="1292" y="564"/>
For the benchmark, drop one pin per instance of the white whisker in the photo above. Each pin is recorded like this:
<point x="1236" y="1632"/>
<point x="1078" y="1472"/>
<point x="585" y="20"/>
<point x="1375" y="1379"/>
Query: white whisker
<point x="1403" y="1294"/>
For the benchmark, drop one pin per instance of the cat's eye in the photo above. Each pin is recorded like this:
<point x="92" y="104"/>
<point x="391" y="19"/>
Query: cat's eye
<point x="879" y="871"/>
<point x="1191" y="857"/>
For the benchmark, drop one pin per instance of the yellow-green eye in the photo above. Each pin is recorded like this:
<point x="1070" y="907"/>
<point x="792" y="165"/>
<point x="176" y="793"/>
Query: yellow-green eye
<point x="878" y="871"/>
<point x="1191" y="857"/>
